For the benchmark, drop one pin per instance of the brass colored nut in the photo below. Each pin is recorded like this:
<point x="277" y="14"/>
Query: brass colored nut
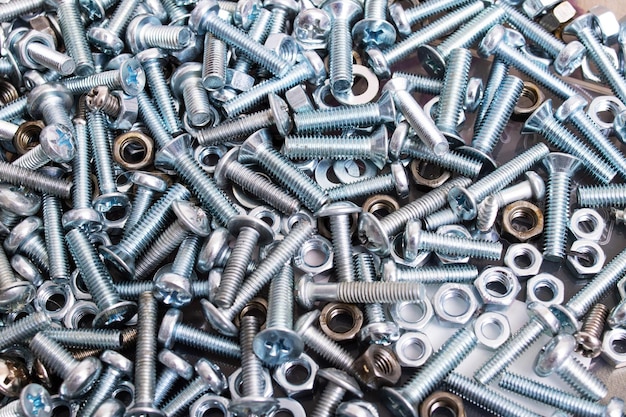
<point x="133" y="150"/>
<point x="428" y="174"/>
<point x="442" y="400"/>
<point x="378" y="366"/>
<point x="380" y="204"/>
<point x="522" y="221"/>
<point x="341" y="321"/>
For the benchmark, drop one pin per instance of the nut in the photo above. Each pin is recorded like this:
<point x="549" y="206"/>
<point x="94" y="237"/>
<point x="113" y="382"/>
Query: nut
<point x="532" y="95"/>
<point x="203" y="406"/>
<point x="235" y="383"/>
<point x="535" y="8"/>
<point x="587" y="224"/>
<point x="378" y="366"/>
<point x="455" y="304"/>
<point x="492" y="329"/>
<point x="601" y="105"/>
<point x="342" y="329"/>
<point x="607" y="24"/>
<point x="288" y="406"/>
<point x="441" y="400"/>
<point x="522" y="221"/>
<point x="283" y="45"/>
<point x="413" y="349"/>
<point x="613" y="347"/>
<point x="315" y="256"/>
<point x="586" y="258"/>
<point x="545" y="289"/>
<point x="127" y="115"/>
<point x="524" y="259"/>
<point x="428" y="174"/>
<point x="412" y="315"/>
<point x="290" y="377"/>
<point x="497" y="286"/>
<point x="557" y="17"/>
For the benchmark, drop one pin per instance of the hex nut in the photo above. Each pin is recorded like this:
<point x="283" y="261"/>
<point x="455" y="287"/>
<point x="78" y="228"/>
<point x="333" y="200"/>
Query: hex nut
<point x="497" y="286"/>
<point x="413" y="349"/>
<point x="235" y="383"/>
<point x="412" y="315"/>
<point x="586" y="268"/>
<point x="398" y="257"/>
<point x="557" y="17"/>
<point x="288" y="406"/>
<point x="607" y="24"/>
<point x="442" y="400"/>
<point x="431" y="181"/>
<point x="610" y="342"/>
<point x="315" y="256"/>
<point x="203" y="405"/>
<point x="378" y="366"/>
<point x="127" y="116"/>
<point x="333" y="310"/>
<point x="283" y="45"/>
<point x="587" y="224"/>
<point x="455" y="304"/>
<point x="535" y="98"/>
<point x="530" y="213"/>
<point x="602" y="105"/>
<point x="535" y="8"/>
<point x="492" y="329"/>
<point x="545" y="289"/>
<point x="524" y="259"/>
<point x="306" y="383"/>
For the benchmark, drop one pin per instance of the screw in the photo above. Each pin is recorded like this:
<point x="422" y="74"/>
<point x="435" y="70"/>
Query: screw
<point x="452" y="95"/>
<point x="281" y="12"/>
<point x="210" y="379"/>
<point x="107" y="37"/>
<point x="121" y="109"/>
<point x="74" y="36"/>
<point x="146" y="185"/>
<point x="53" y="232"/>
<point x="452" y="160"/>
<point x="186" y="82"/>
<point x="556" y="357"/>
<point x="17" y="8"/>
<point x="87" y="338"/>
<point x="14" y="109"/>
<point x="118" y="368"/>
<point x="23" y="329"/>
<point x="52" y="102"/>
<point x="374" y="30"/>
<point x="214" y="61"/>
<point x="404" y="19"/>
<point x="176" y="13"/>
<point x="498" y="72"/>
<point x="34" y="402"/>
<point x="396" y="179"/>
<point x="37" y="50"/>
<point x="79" y="376"/>
<point x="488" y="398"/>
<point x="542" y="121"/>
<point x="129" y="77"/>
<point x="228" y="168"/>
<point x="404" y="401"/>
<point x="458" y="273"/>
<point x="15" y="203"/>
<point x="339" y="383"/>
<point x="16" y="293"/>
<point x="464" y="201"/>
<point x="25" y="239"/>
<point x="560" y="399"/>
<point x="175" y="367"/>
<point x="601" y="196"/>
<point x="146" y="31"/>
<point x="420" y="83"/>
<point x="130" y="290"/>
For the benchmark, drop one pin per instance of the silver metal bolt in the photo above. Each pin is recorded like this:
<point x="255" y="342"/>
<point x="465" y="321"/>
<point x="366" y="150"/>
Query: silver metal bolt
<point x="339" y="383"/>
<point x="146" y="186"/>
<point x="34" y="401"/>
<point x="129" y="77"/>
<point x="186" y="83"/>
<point x="25" y="238"/>
<point x="175" y="367"/>
<point x="16" y="293"/>
<point x="24" y="329"/>
<point x="146" y="31"/>
<point x="108" y="38"/>
<point x="497" y="73"/>
<point x="374" y="29"/>
<point x="452" y="160"/>
<point x="404" y="19"/>
<point x="601" y="195"/>
<point x="214" y="63"/>
<point x="74" y="36"/>
<point x="396" y="180"/>
<point x="452" y="95"/>
<point x="37" y="50"/>
<point x="87" y="338"/>
<point x="17" y="8"/>
<point x="53" y="232"/>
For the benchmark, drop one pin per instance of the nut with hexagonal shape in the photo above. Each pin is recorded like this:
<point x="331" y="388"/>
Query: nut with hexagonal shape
<point x="497" y="286"/>
<point x="557" y="17"/>
<point x="305" y="384"/>
<point x="610" y="342"/>
<point x="546" y="289"/>
<point x="586" y="258"/>
<point x="535" y="8"/>
<point x="607" y="24"/>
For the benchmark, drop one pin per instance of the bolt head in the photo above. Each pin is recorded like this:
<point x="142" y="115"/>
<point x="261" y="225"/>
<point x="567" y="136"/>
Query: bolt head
<point x="397" y="403"/>
<point x="400" y="179"/>
<point x="115" y="315"/>
<point x="172" y="318"/>
<point x="173" y="150"/>
<point x="149" y="181"/>
<point x="303" y="292"/>
<point x="306" y="321"/>
<point x="536" y="121"/>
<point x="372" y="235"/>
<point x="341" y="379"/>
<point x="537" y="184"/>
<point x="84" y="218"/>
<point x="280" y="112"/>
<point x="412" y="235"/>
<point x="105" y="40"/>
<point x="462" y="203"/>
<point x="193" y="218"/>
<point x="107" y="202"/>
<point x="151" y="54"/>
<point x="491" y="41"/>
<point x="340" y="208"/>
<point x="552" y="355"/>
<point x="275" y="346"/>
<point x="212" y="375"/>
<point x="247" y="12"/>
<point x="341" y="9"/>
<point x="134" y="31"/>
<point x="219" y="175"/>
<point x="255" y="143"/>
<point x="117" y="361"/>
<point x="81" y="378"/>
<point x="171" y="289"/>
<point x="377" y="61"/>
<point x="132" y="76"/>
<point x="35" y="401"/>
<point x="400" y="19"/>
<point x="570" y="58"/>
<point x="579" y="24"/>
<point x="57" y="143"/>
<point x="204" y="11"/>
<point x="19" y="200"/>
<point x="46" y="93"/>
<point x="185" y="72"/>
<point x="384" y="333"/>
<point x="172" y="361"/>
<point x="388" y="270"/>
<point x="432" y="60"/>
<point x="16" y="296"/>
<point x="545" y="316"/>
<point x="21" y="233"/>
<point x="144" y="410"/>
<point x="217" y="319"/>
<point x="568" y="323"/>
<point x="374" y="32"/>
<point x="111" y="407"/>
<point x="589" y="345"/>
<point x="380" y="146"/>
<point x="214" y="251"/>
<point x="311" y="28"/>
<point x="570" y="107"/>
<point x="615" y="407"/>
<point x="356" y="409"/>
<point x="120" y="259"/>
<point x="558" y="162"/>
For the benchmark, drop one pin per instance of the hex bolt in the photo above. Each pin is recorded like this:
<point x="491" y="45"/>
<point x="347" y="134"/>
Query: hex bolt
<point x="25" y="238"/>
<point x="228" y="168"/>
<point x="372" y="147"/>
<point x="146" y="186"/>
<point x="559" y="399"/>
<point x="172" y="331"/>
<point x="561" y="168"/>
<point x="489" y="399"/>
<point x="53" y="233"/>
<point x="585" y="27"/>
<point x="146" y="31"/>
<point x="78" y="376"/>
<point x="222" y="319"/>
<point x="394" y="180"/>
<point x="113" y="310"/>
<point x="204" y="19"/>
<point x="214" y="62"/>
<point x="175" y="367"/>
<point x="258" y="148"/>
<point x="381" y="61"/>
<point x="452" y="160"/>
<point x="339" y="383"/>
<point x="24" y="329"/>
<point x="343" y="117"/>
<point x="210" y="379"/>
<point x="37" y="50"/>
<point x="452" y="95"/>
<point x="497" y="73"/>
<point x="556" y="357"/>
<point x="458" y="273"/>
<point x="74" y="36"/>
<point x="34" y="401"/>
<point x="494" y="43"/>
<point x="542" y="121"/>
<point x="601" y="195"/>
<point x="118" y="368"/>
<point x="376" y="233"/>
<point x="52" y="102"/>
<point x="464" y="201"/>
<point x="145" y="358"/>
<point x="374" y="30"/>
<point x="589" y="337"/>
<point x="405" y="400"/>
<point x="186" y="83"/>
<point x="129" y="77"/>
<point x="108" y="37"/>
<point x="277" y="115"/>
<point x="542" y="320"/>
<point x="17" y="8"/>
<point x="16" y="293"/>
<point x="404" y="19"/>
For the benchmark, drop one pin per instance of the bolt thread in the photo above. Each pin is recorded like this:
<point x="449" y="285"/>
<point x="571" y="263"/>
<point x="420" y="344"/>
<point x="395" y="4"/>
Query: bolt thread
<point x="164" y="384"/>
<point x="332" y="147"/>
<point x="236" y="267"/>
<point x="428" y="9"/>
<point x="285" y="172"/>
<point x="500" y="110"/>
<point x="441" y="218"/>
<point x="110" y="106"/>
<point x="251" y="367"/>
<point x="6" y="67"/>
<point x="340" y="56"/>
<point x="557" y="215"/>
<point x="79" y="355"/>
<point x="232" y="129"/>
<point x="452" y="96"/>
<point x="141" y="203"/>
<point x="259" y="30"/>
<point x="9" y="219"/>
<point x="92" y="269"/>
<point x="271" y="266"/>
<point x="328" y="401"/>
<point x="280" y="300"/>
<point x="367" y="292"/>
<point x="602" y="196"/>
<point x="74" y="36"/>
<point x="12" y="409"/>
<point x="152" y="119"/>
<point x="458" y="246"/>
<point x="175" y="12"/>
<point x="420" y="83"/>
<point x="145" y="359"/>
<point x="375" y="9"/>
<point x="54" y="112"/>
<point x="122" y="15"/>
<point x="551" y="396"/>
<point x="452" y="160"/>
<point x="168" y="37"/>
<point x="129" y="336"/>
<point x="37" y="252"/>
<point x="96" y="124"/>
<point x="247" y="46"/>
<point x="206" y="342"/>
<point x="328" y="349"/>
<point x="457" y="273"/>
<point x="533" y="31"/>
<point x="17" y="8"/>
<point x="33" y="159"/>
<point x="86" y="338"/>
<point x="485" y="397"/>
<point x="363" y="187"/>
<point x="487" y="213"/>
<point x="197" y="102"/>
<point x="510" y="351"/>
<point x="366" y="272"/>
<point x="214" y="62"/>
<point x="165" y="244"/>
<point x="24" y="329"/>
<point x="130" y="290"/>
<point x="51" y="58"/>
<point x="186" y="256"/>
<point x="423" y="125"/>
<point x="102" y="390"/>
<point x="13" y="109"/>
<point x="342" y="247"/>
<point x="278" y="22"/>
<point x="34" y="180"/>
<point x="564" y="140"/>
<point x="185" y="397"/>
<point x="594" y="323"/>
<point x="583" y="381"/>
<point x="59" y="267"/>
<point x="498" y="72"/>
<point x="81" y="85"/>
<point x="7" y="277"/>
<point x="51" y="353"/>
<point x="161" y="95"/>
<point x="338" y="118"/>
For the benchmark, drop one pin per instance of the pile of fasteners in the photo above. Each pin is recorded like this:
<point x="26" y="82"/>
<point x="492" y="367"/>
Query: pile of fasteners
<point x="205" y="208"/>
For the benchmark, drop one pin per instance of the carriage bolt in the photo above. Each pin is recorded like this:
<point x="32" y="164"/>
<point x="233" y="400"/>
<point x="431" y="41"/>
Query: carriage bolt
<point x="210" y="379"/>
<point x="53" y="233"/>
<point x="129" y="77"/>
<point x="78" y="376"/>
<point x="146" y="186"/>
<point x="556" y="357"/>
<point x="222" y="319"/>
<point x="118" y="368"/>
<point x="172" y="331"/>
<point x="560" y="399"/>
<point x="37" y="50"/>
<point x="17" y="8"/>
<point x="108" y="37"/>
<point x="497" y="73"/>
<point x="405" y="400"/>
<point x="35" y="181"/>
<point x="489" y="399"/>
<point x="452" y="95"/>
<point x="146" y="31"/>
<point x="542" y="121"/>
<point x="113" y="310"/>
<point x="186" y="83"/>
<point x="589" y="337"/>
<point x="175" y="367"/>
<point x="601" y="196"/>
<point x="25" y="238"/>
<point x="458" y="273"/>
<point x="452" y="160"/>
<point x="23" y="329"/>
<point x="258" y="148"/>
<point x="34" y="401"/>
<point x="464" y="201"/>
<point x="74" y="36"/>
<point x="339" y="383"/>
<point x="395" y="180"/>
<point x="404" y="19"/>
<point x="228" y="168"/>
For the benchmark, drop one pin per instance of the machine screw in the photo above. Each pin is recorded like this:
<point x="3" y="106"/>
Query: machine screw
<point x="87" y="338"/>
<point x="146" y="186"/>
<point x="175" y="367"/>
<point x="601" y="196"/>
<point x="53" y="232"/>
<point x="52" y="102"/>
<point x="37" y="50"/>
<point x="374" y="30"/>
<point x="394" y="180"/>
<point x="497" y="73"/>
<point x="186" y="82"/>
<point x="404" y="19"/>
<point x="33" y="180"/>
<point x="452" y="95"/>
<point x="34" y="401"/>
<point x="281" y="11"/>
<point x="25" y="238"/>
<point x="339" y="383"/>
<point x="458" y="273"/>
<point x="214" y="61"/>
<point x="129" y="77"/>
<point x="74" y="36"/>
<point x="453" y="160"/>
<point x="107" y="38"/>
<point x="15" y="293"/>
<point x="17" y="8"/>
<point x="146" y="31"/>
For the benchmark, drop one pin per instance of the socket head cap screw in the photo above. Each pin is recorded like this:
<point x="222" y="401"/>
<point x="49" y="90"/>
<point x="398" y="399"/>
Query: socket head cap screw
<point x="217" y="319"/>
<point x="341" y="379"/>
<point x="397" y="403"/>
<point x="377" y="61"/>
<point x="81" y="378"/>
<point x="116" y="314"/>
<point x="170" y="288"/>
<point x="303" y="292"/>
<point x="374" y="32"/>
<point x="35" y="401"/>
<point x="276" y="345"/>
<point x="570" y="58"/>
<point x="212" y="375"/>
<point x="552" y="355"/>
<point x="21" y="233"/>
<point x="117" y="361"/>
<point x="16" y="295"/>
<point x="567" y="322"/>
<point x="57" y="143"/>
<point x="204" y="11"/>
<point x="171" y="319"/>
<point x="176" y="363"/>
<point x="372" y="234"/>
<point x="44" y="94"/>
<point x="214" y="251"/>
<point x="400" y="19"/>
<point x="280" y="112"/>
<point x="570" y="107"/>
<point x="105" y="40"/>
<point x="432" y="60"/>
<point x="237" y="223"/>
<point x="545" y="315"/>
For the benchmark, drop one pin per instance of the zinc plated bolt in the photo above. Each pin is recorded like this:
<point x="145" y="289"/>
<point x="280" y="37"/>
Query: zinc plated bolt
<point x="452" y="160"/>
<point x="108" y="37"/>
<point x="185" y="82"/>
<point x="130" y="290"/>
<point x="146" y="186"/>
<point x="421" y="83"/>
<point x="210" y="379"/>
<point x="489" y="399"/>
<point x="173" y="330"/>
<point x="146" y="31"/>
<point x="589" y="337"/>
<point x="404" y="19"/>
<point x="52" y="102"/>
<point x="113" y="310"/>
<point x="23" y="329"/>
<point x="16" y="293"/>
<point x="56" y="144"/>
<point x="78" y="376"/>
<point x="25" y="238"/>
<point x="14" y="109"/>
<point x="497" y="73"/>
<point x="452" y="95"/>
<point x="374" y="29"/>
<point x="34" y="401"/>
<point x="542" y="121"/>
<point x="250" y="232"/>
<point x="37" y="50"/>
<point x="17" y="8"/>
<point x="214" y="62"/>
<point x="129" y="77"/>
<point x="175" y="367"/>
<point x="53" y="233"/>
<point x="557" y="357"/>
<point x="118" y="368"/>
<point x="458" y="273"/>
<point x="396" y="180"/>
<point x="222" y="319"/>
<point x="34" y="180"/>
<point x="176" y="13"/>
<point x="87" y="338"/>
<point x="339" y="383"/>
<point x="404" y="401"/>
<point x="74" y="36"/>
<point x="15" y="203"/>
<point x="601" y="195"/>
<point x="560" y="399"/>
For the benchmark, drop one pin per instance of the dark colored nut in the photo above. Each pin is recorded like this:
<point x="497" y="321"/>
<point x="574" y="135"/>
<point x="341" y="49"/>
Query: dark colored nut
<point x="522" y="221"/>
<point x="378" y="366"/>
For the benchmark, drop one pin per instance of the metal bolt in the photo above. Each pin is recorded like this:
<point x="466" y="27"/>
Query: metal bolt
<point x="16" y="293"/>
<point x="37" y="50"/>
<point x="176" y="13"/>
<point x="74" y="36"/>
<point x="374" y="30"/>
<point x="146" y="186"/>
<point x="175" y="367"/>
<point x="53" y="232"/>
<point x="25" y="238"/>
<point x="130" y="290"/>
<point x="52" y="102"/>
<point x="451" y="160"/>
<point x="129" y="77"/>
<point x="394" y="180"/>
<point x="78" y="376"/>
<point x="34" y="401"/>
<point x="588" y="338"/>
<point x="214" y="61"/>
<point x="281" y="12"/>
<point x="497" y="73"/>
<point x="404" y="19"/>
<point x="108" y="38"/>
<point x="15" y="203"/>
<point x="186" y="83"/>
<point x="23" y="329"/>
<point x="87" y="338"/>
<point x="146" y="31"/>
<point x="452" y="95"/>
<point x="339" y="214"/>
<point x="339" y="383"/>
<point x="458" y="273"/>
<point x="17" y="8"/>
<point x="601" y="196"/>
<point x="16" y="108"/>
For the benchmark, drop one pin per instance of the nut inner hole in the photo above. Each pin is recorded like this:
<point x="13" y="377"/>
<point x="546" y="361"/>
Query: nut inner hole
<point x="491" y="329"/>
<point x="524" y="259"/>
<point x="61" y="410"/>
<point x="498" y="285"/>
<point x="283" y="413"/>
<point x="298" y="373"/>
<point x="55" y="302"/>
<point x="315" y="254"/>
<point x="545" y="291"/>
<point x="587" y="256"/>
<point x="455" y="303"/>
<point x="414" y="349"/>
<point x="442" y="409"/>
<point x="214" y="412"/>
<point x="523" y="219"/>
<point x="528" y="98"/>
<point x="124" y="395"/>
<point x="587" y="223"/>
<point x="412" y="312"/>
<point x="606" y="110"/>
<point x="619" y="345"/>
<point x="340" y="320"/>
<point x="430" y="171"/>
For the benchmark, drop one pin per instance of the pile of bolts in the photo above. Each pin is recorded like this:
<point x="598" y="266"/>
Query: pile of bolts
<point x="248" y="208"/>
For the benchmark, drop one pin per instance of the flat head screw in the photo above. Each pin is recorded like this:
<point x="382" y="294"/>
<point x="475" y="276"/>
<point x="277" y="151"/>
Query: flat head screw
<point x="338" y="384"/>
<point x="175" y="367"/>
<point x="25" y="238"/>
<point x="453" y="92"/>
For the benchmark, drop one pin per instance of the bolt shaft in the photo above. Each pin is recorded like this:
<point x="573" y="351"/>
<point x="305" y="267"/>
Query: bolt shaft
<point x="102" y="390"/>
<point x="601" y="196"/>
<point x="280" y="300"/>
<point x="185" y="397"/>
<point x="87" y="338"/>
<point x="458" y="246"/>
<point x="186" y="256"/>
<point x="164" y="384"/>
<point x="59" y="359"/>
<point x="452" y="95"/>
<point x="337" y="118"/>
<point x="74" y="37"/>
<point x="236" y="267"/>
<point x="83" y="84"/>
<point x="452" y="160"/>
<point x="330" y="147"/>
<point x="161" y="248"/>
<point x="366" y="186"/>
<point x="145" y="359"/>
<point x="557" y="215"/>
<point x="23" y="329"/>
<point x="328" y="349"/>
<point x="214" y="61"/>
<point x="458" y="273"/>
<point x="431" y="8"/>
<point x="366" y="272"/>
<point x="236" y="128"/>
<point x="251" y="366"/>
<point x="575" y="374"/>
<point x="101" y="152"/>
<point x="53" y="231"/>
<point x="51" y="58"/>
<point x="17" y="8"/>
<point x="328" y="401"/>
<point x="498" y="72"/>
<point x="122" y="15"/>
<point x="162" y="96"/>
<point x="206" y="342"/>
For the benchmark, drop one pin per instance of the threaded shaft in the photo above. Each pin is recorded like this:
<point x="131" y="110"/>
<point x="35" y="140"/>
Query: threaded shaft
<point x="122" y="15"/>
<point x="232" y="129"/>
<point x="420" y="83"/>
<point x="251" y="367"/>
<point x="332" y="147"/>
<point x="452" y="160"/>
<point x="59" y="359"/>
<point x="328" y="349"/>
<point x="601" y="196"/>
<point x="185" y="397"/>
<point x="533" y="31"/>
<point x="17" y="8"/>
<point x="431" y="8"/>
<point x="557" y="215"/>
<point x="152" y="119"/>
<point x="101" y="151"/>
<point x="338" y="118"/>
<point x="53" y="112"/>
<point x="576" y="375"/>
<point x="487" y="213"/>
<point x="161" y="94"/>
<point x="457" y="273"/>
<point x="50" y="58"/>
<point x="366" y="272"/>
<point x="168" y="37"/>
<point x="340" y="56"/>
<point x="165" y="244"/>
<point x="164" y="384"/>
<point x="79" y="85"/>
<point x="33" y="159"/>
<point x="440" y="218"/>
<point x="143" y="199"/>
<point x="342" y="247"/>
<point x="74" y="36"/>
<point x="6" y="67"/>
<point x="7" y="277"/>
<point x="594" y="323"/>
<point x="130" y="290"/>
<point x="23" y="329"/>
<point x="12" y="409"/>
<point x="145" y="359"/>
<point x="452" y="96"/>
<point x="174" y="12"/>
<point x="102" y="390"/>
<point x="37" y="252"/>
<point x="206" y="342"/>
<point x="214" y="62"/>
<point x="59" y="267"/>
<point x="81" y="191"/>
<point x="34" y="180"/>
<point x="458" y="246"/>
<point x="498" y="72"/>
<point x="186" y="256"/>
<point x="328" y="401"/>
<point x="280" y="300"/>
<point x="86" y="338"/>
<point x="367" y="292"/>
<point x="197" y="102"/>
<point x="236" y="267"/>
<point x="423" y="125"/>
<point x="258" y="31"/>
<point x="375" y="9"/>
<point x="13" y="109"/>
<point x="363" y="187"/>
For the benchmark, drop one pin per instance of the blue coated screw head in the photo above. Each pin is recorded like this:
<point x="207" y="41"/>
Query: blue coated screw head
<point x="275" y="345"/>
<point x="57" y="143"/>
<point x="35" y="401"/>
<point x="132" y="76"/>
<point x="170" y="288"/>
<point x="374" y="33"/>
